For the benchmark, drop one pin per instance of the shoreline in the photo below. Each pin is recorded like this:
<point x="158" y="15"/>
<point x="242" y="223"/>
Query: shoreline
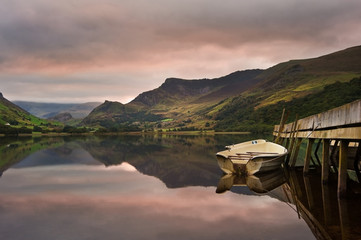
<point x="126" y="133"/>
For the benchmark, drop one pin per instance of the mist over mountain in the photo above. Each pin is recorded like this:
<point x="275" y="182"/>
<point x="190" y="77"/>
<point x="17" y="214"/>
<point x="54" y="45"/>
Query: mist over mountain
<point x="49" y="110"/>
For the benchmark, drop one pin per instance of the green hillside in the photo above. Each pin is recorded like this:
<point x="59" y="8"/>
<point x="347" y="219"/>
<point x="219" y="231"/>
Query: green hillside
<point x="14" y="119"/>
<point x="298" y="78"/>
<point x="243" y="115"/>
<point x="303" y="87"/>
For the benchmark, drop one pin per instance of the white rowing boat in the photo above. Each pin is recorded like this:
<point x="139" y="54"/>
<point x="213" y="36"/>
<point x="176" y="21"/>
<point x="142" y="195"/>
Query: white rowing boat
<point x="251" y="157"/>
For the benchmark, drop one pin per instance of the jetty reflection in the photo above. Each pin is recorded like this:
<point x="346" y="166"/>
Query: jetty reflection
<point x="327" y="216"/>
<point x="317" y="204"/>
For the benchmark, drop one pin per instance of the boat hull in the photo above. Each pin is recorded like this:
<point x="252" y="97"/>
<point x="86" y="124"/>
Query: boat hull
<point x="253" y="166"/>
<point x="264" y="164"/>
<point x="251" y="157"/>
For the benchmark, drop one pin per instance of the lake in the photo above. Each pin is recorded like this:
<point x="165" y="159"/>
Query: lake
<point x="157" y="187"/>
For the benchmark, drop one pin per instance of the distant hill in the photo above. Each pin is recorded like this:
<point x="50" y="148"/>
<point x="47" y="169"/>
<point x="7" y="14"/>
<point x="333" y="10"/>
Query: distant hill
<point x="114" y="114"/>
<point x="49" y="110"/>
<point x="242" y="100"/>
<point x="62" y="117"/>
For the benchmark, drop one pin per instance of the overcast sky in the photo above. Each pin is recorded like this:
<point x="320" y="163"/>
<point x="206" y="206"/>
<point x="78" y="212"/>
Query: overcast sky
<point x="91" y="50"/>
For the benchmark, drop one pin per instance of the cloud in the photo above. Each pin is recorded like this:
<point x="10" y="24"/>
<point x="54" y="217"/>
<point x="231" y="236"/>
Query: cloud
<point x="164" y="38"/>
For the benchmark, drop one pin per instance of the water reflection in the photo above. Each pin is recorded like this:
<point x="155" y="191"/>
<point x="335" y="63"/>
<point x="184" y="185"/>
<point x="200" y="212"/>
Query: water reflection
<point x="95" y="202"/>
<point x="159" y="187"/>
<point x="261" y="183"/>
<point x="327" y="216"/>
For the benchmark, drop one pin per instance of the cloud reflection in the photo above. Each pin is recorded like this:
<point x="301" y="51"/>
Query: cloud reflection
<point x="87" y="202"/>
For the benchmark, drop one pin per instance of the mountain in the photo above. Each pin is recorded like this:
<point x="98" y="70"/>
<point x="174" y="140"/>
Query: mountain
<point x="49" y="110"/>
<point x="176" y="100"/>
<point x="12" y="118"/>
<point x="250" y="98"/>
<point x="174" y="90"/>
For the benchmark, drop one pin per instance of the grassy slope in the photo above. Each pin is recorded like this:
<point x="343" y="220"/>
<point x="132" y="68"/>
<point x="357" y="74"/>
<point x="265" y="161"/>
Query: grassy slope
<point x="11" y="113"/>
<point x="298" y="78"/>
<point x="242" y="114"/>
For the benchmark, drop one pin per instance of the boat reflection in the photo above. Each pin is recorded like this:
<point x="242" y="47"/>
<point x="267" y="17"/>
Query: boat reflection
<point x="262" y="183"/>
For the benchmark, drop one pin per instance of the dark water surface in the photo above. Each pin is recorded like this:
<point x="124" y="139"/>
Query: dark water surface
<point x="155" y="187"/>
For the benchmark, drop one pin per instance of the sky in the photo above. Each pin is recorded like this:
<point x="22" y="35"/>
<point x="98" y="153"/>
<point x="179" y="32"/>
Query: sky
<point x="74" y="51"/>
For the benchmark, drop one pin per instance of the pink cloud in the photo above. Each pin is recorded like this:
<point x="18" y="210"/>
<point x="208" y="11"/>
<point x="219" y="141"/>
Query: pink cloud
<point x="188" y="39"/>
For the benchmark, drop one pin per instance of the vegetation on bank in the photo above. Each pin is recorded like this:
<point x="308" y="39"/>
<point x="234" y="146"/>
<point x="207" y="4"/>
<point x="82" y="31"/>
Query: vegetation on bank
<point x="243" y="115"/>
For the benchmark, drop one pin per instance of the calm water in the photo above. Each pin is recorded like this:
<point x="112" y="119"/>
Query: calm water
<point x="136" y="187"/>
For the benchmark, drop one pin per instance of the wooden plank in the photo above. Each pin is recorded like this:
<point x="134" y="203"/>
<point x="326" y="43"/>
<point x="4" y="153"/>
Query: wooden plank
<point x="342" y="171"/>
<point x="308" y="156"/>
<point x="258" y="153"/>
<point x="348" y="114"/>
<point x="351" y="133"/>
<point x="325" y="160"/>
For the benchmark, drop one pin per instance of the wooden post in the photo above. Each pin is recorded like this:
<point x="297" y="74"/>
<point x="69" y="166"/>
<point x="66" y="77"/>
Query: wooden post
<point x="282" y="123"/>
<point x="308" y="156"/>
<point x="342" y="171"/>
<point x="287" y="143"/>
<point x="292" y="140"/>
<point x="295" y="152"/>
<point x="325" y="160"/>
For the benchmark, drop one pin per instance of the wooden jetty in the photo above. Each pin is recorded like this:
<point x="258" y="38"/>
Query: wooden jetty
<point x="338" y="129"/>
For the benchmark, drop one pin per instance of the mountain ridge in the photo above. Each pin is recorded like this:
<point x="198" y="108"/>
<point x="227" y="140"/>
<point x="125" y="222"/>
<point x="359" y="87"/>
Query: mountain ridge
<point x="197" y="102"/>
<point x="172" y="100"/>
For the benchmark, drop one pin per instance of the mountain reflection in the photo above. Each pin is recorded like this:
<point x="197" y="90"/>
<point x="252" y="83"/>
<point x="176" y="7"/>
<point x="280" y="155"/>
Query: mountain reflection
<point x="175" y="159"/>
<point x="102" y="167"/>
